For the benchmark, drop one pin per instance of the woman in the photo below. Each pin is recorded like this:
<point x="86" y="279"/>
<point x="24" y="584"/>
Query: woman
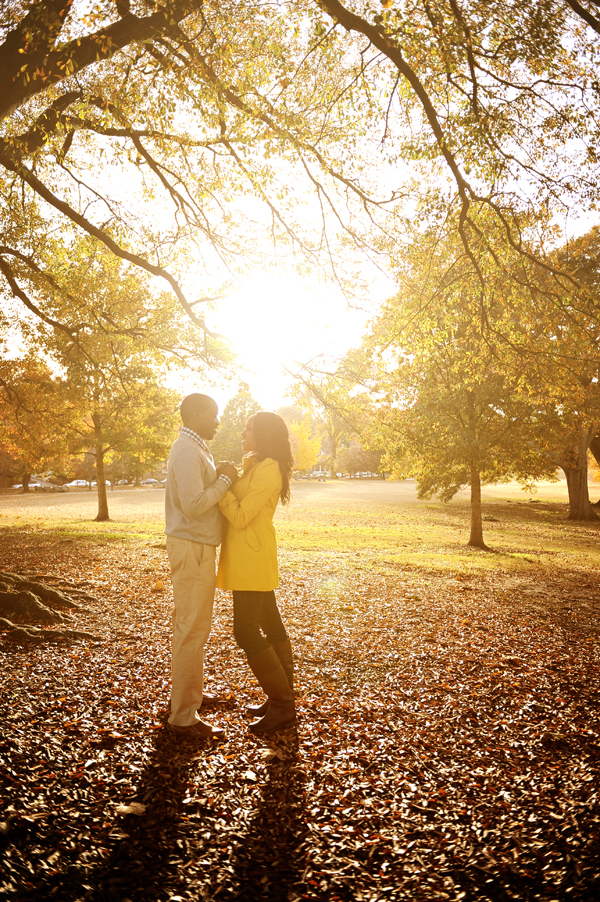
<point x="248" y="565"/>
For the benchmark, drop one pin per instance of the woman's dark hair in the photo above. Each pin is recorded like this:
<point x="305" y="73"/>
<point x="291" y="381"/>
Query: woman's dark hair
<point x="273" y="440"/>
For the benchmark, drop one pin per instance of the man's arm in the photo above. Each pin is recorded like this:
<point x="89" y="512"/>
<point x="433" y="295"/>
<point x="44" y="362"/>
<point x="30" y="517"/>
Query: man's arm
<point x="194" y="497"/>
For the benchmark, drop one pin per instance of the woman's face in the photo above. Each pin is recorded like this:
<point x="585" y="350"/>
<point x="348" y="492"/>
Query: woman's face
<point x="248" y="440"/>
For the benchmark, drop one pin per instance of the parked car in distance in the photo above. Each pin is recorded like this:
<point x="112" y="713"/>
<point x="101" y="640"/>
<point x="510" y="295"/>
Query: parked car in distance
<point x="77" y="482"/>
<point x="41" y="486"/>
<point x="149" y="482"/>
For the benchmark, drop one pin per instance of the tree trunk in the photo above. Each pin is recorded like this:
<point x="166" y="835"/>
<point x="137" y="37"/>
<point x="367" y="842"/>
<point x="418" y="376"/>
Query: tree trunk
<point x="595" y="450"/>
<point x="100" y="478"/>
<point x="334" y="450"/>
<point x="476" y="537"/>
<point x="576" y="472"/>
<point x="25" y="481"/>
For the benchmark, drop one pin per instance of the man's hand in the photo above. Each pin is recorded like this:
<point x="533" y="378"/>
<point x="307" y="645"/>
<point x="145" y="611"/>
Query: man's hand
<point x="226" y="468"/>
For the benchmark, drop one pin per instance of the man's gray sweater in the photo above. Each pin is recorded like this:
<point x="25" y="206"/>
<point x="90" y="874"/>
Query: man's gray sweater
<point x="193" y="493"/>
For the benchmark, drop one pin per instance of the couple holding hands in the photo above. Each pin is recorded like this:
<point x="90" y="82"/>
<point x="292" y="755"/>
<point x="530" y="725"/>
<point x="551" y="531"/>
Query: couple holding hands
<point x="207" y="506"/>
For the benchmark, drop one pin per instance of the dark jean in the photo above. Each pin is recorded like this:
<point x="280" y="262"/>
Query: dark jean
<point x="255" y="613"/>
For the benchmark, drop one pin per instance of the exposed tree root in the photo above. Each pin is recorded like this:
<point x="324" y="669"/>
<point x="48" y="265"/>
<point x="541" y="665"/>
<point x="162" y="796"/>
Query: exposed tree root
<point x="26" y="604"/>
<point x="25" y="634"/>
<point x="27" y="597"/>
<point x="481" y="546"/>
<point x="59" y="599"/>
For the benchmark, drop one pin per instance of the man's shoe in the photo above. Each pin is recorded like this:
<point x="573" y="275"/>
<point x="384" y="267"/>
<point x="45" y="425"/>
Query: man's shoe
<point x="199" y="730"/>
<point x="209" y="700"/>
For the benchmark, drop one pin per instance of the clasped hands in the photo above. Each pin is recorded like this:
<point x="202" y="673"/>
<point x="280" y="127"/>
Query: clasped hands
<point x="226" y="468"/>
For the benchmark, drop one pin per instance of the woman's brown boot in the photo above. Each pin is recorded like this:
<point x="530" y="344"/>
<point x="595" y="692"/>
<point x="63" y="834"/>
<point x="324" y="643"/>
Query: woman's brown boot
<point x="281" y="711"/>
<point x="283" y="650"/>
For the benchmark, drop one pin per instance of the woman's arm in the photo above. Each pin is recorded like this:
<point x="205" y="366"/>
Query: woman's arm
<point x="265" y="482"/>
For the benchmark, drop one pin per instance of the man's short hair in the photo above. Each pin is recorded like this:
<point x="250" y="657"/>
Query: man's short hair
<point x="192" y="403"/>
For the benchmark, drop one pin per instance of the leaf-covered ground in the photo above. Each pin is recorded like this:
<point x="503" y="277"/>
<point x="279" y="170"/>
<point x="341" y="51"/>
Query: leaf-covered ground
<point x="447" y="747"/>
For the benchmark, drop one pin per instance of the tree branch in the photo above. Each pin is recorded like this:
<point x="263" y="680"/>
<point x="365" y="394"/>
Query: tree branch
<point x="42" y="191"/>
<point x="44" y="126"/>
<point x="31" y="39"/>
<point x="585" y="14"/>
<point x="26" y="68"/>
<point x="269" y="120"/>
<point x="30" y="262"/>
<point x="352" y="22"/>
<point x="19" y="293"/>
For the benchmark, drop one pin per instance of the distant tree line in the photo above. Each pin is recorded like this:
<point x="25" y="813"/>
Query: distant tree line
<point x="316" y="444"/>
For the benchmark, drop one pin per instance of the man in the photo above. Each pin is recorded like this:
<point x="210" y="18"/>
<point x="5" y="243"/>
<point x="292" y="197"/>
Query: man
<point x="193" y="529"/>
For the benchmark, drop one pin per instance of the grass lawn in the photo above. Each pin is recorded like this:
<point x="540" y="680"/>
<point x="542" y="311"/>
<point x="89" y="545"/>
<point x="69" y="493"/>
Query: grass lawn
<point x="448" y="739"/>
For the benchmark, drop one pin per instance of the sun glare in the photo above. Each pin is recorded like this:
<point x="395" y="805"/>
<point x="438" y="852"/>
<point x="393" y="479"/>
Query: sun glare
<point x="276" y="323"/>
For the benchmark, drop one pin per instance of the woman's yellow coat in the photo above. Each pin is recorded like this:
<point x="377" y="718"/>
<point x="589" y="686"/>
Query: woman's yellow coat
<point x="248" y="559"/>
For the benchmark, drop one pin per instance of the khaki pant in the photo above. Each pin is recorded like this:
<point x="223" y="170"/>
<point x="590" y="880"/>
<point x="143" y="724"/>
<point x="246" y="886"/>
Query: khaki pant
<point x="193" y="575"/>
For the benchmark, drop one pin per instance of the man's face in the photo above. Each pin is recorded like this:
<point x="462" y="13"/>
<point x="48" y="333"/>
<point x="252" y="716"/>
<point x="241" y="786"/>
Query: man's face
<point x="206" y="420"/>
